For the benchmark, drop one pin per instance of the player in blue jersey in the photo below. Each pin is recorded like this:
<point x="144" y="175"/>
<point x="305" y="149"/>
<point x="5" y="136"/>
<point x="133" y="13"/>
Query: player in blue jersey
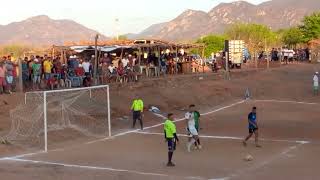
<point x="253" y="127"/>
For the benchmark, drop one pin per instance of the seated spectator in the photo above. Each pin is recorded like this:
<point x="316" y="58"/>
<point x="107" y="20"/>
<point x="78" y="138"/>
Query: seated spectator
<point x="79" y="71"/>
<point x="112" y="69"/>
<point x="53" y="82"/>
<point x="87" y="81"/>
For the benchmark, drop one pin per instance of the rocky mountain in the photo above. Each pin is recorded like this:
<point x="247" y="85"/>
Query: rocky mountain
<point x="192" y="24"/>
<point x="41" y="30"/>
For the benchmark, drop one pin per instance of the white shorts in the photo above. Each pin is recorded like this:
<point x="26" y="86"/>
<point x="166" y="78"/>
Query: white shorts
<point x="192" y="131"/>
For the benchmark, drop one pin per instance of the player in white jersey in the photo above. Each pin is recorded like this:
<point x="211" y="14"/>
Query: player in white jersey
<point x="191" y="128"/>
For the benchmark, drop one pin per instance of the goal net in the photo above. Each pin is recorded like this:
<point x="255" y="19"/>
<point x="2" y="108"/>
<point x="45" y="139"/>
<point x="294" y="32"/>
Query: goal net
<point x="44" y="114"/>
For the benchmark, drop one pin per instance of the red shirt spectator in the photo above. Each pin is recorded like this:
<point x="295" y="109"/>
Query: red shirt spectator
<point x="79" y="71"/>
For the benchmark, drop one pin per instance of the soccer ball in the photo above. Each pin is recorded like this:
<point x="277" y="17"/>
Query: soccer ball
<point x="248" y="158"/>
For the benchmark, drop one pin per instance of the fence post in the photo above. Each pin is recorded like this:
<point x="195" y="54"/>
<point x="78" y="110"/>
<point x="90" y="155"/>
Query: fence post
<point x="45" y="121"/>
<point x="109" y="115"/>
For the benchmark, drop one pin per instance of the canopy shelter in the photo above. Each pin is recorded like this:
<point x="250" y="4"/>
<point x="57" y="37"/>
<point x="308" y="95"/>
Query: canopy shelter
<point x="141" y="48"/>
<point x="123" y="46"/>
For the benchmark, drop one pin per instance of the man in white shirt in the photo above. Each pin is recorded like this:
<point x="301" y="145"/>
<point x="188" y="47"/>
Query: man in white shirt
<point x="316" y="84"/>
<point x="290" y="55"/>
<point x="125" y="62"/>
<point x="86" y="66"/>
<point x="285" y="55"/>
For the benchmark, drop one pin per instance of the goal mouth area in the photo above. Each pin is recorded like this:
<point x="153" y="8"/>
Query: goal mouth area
<point x="81" y="110"/>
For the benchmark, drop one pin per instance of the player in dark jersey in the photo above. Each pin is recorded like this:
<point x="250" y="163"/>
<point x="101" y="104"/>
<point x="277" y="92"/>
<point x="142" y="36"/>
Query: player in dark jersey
<point x="253" y="127"/>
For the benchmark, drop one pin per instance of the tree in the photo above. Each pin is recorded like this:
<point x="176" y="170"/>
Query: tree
<point x="292" y="37"/>
<point x="121" y="37"/>
<point x="16" y="50"/>
<point x="213" y="43"/>
<point x="311" y="27"/>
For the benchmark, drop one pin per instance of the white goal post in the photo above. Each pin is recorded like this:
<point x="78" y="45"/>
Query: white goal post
<point x="85" y="110"/>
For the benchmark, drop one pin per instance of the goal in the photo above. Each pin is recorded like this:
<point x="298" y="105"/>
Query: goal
<point x="44" y="113"/>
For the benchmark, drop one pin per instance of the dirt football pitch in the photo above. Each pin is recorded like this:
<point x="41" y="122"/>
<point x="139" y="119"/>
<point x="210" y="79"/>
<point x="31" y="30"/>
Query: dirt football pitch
<point x="289" y="123"/>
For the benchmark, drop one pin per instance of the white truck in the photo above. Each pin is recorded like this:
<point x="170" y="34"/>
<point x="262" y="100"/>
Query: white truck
<point x="235" y="50"/>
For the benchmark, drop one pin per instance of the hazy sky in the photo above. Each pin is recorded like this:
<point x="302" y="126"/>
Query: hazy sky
<point x="100" y="15"/>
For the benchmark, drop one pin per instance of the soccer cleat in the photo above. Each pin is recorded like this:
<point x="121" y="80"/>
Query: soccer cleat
<point x="170" y="164"/>
<point x="199" y="147"/>
<point x="244" y="143"/>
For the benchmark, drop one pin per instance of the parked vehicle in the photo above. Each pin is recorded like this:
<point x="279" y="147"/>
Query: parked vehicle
<point x="236" y="52"/>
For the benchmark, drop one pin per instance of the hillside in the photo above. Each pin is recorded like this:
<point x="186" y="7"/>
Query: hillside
<point x="192" y="24"/>
<point x="41" y="30"/>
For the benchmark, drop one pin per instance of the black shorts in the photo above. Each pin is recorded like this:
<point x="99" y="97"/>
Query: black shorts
<point x="136" y="115"/>
<point x="252" y="130"/>
<point x="171" y="144"/>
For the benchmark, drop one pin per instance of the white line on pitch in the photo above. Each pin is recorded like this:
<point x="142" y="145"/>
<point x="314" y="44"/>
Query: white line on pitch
<point x="282" y="101"/>
<point x="231" y="138"/>
<point x="92" y="167"/>
<point x="157" y="125"/>
<point x="128" y="132"/>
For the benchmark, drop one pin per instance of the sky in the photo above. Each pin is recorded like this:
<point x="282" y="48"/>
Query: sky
<point x="133" y="15"/>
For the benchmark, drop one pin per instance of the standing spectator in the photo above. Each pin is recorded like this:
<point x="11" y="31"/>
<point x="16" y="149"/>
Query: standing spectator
<point x="47" y="68"/>
<point x="307" y="51"/>
<point x="279" y="54"/>
<point x="285" y="55"/>
<point x="30" y="63"/>
<point x="131" y="61"/>
<point x="316" y="84"/>
<point x="86" y="67"/>
<point x="105" y="59"/>
<point x="291" y="55"/>
<point x="36" y="74"/>
<point x="15" y="76"/>
<point x="274" y="54"/>
<point x="2" y="77"/>
<point x="125" y="61"/>
<point x="9" y="75"/>
<point x="25" y="72"/>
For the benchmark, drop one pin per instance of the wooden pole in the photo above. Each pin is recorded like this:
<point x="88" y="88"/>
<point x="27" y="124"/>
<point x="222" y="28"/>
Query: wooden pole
<point x="203" y="63"/>
<point x="227" y="66"/>
<point x="121" y="55"/>
<point x="20" y="76"/>
<point x="265" y="50"/>
<point x="62" y="56"/>
<point x="96" y="58"/>
<point x="256" y="59"/>
<point x="53" y="52"/>
<point x="139" y="56"/>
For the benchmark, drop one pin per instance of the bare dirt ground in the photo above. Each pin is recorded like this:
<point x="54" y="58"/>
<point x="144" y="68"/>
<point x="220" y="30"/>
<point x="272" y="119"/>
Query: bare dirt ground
<point x="289" y="132"/>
